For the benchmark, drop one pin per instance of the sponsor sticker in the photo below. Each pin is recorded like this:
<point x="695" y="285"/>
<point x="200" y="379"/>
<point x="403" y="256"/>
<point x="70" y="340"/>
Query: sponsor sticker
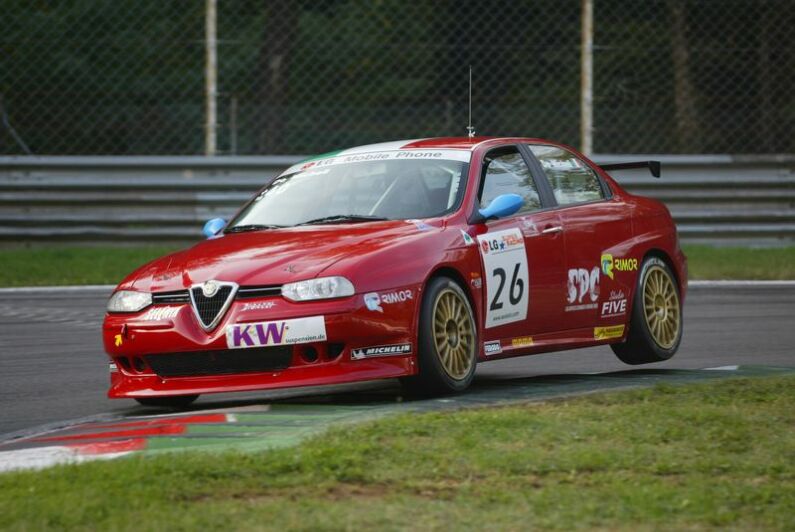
<point x="117" y="340"/>
<point x="522" y="341"/>
<point x="374" y="300"/>
<point x="380" y="351"/>
<point x="281" y="332"/>
<point x="420" y="225"/>
<point x="468" y="240"/>
<point x="492" y="348"/>
<point x="262" y="305"/>
<point x="391" y="155"/>
<point x="609" y="263"/>
<point x="475" y="280"/>
<point x="582" y="282"/>
<point x="615" y="306"/>
<point x="606" y="333"/>
<point x="113" y="368"/>
<point x="160" y="313"/>
<point x="507" y="277"/>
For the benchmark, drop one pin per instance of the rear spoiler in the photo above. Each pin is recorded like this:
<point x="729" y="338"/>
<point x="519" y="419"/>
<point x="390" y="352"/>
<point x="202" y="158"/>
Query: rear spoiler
<point x="653" y="166"/>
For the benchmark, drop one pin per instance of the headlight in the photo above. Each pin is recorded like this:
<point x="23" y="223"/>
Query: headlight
<point x="129" y="301"/>
<point x="322" y="288"/>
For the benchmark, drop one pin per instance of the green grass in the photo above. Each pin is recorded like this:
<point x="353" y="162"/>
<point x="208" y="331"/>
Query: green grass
<point x="42" y="266"/>
<point x="704" y="456"/>
<point x="62" y="265"/>
<point x="707" y="262"/>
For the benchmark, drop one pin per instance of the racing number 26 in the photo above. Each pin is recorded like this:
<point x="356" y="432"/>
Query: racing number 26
<point x="515" y="291"/>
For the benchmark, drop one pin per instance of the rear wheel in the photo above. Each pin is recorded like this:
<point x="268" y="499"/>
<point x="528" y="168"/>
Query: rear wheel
<point x="174" y="401"/>
<point x="655" y="328"/>
<point x="447" y="340"/>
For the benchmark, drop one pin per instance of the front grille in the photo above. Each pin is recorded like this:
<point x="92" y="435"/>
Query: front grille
<point x="250" y="292"/>
<point x="179" y="296"/>
<point x="224" y="362"/>
<point x="209" y="309"/>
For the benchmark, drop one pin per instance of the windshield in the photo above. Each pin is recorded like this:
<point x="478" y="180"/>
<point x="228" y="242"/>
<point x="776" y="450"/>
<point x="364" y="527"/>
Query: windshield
<point x="350" y="192"/>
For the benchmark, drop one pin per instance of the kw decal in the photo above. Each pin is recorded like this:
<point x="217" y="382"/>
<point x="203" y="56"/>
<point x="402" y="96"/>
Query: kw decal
<point x="606" y="333"/>
<point x="282" y="332"/>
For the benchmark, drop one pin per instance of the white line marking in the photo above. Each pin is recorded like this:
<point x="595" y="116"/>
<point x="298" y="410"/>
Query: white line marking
<point x="723" y="368"/>
<point x="76" y="288"/>
<point x="41" y="457"/>
<point x="739" y="283"/>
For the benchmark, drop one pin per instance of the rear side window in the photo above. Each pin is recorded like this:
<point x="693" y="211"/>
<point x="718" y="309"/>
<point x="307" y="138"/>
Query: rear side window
<point x="572" y="181"/>
<point x="505" y="172"/>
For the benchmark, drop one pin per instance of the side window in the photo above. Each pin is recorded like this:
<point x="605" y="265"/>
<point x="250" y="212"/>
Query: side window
<point x="572" y="181"/>
<point x="505" y="172"/>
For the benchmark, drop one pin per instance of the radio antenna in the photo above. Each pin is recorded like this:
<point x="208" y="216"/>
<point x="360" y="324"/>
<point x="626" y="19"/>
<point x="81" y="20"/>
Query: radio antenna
<point x="470" y="127"/>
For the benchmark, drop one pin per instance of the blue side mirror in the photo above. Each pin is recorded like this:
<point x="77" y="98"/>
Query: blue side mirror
<point x="502" y="206"/>
<point x="213" y="227"/>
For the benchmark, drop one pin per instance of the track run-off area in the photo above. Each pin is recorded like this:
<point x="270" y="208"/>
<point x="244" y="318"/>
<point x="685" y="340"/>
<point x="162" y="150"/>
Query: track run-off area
<point x="53" y="377"/>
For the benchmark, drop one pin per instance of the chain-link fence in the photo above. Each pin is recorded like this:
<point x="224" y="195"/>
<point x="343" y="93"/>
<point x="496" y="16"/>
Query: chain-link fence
<point x="306" y="76"/>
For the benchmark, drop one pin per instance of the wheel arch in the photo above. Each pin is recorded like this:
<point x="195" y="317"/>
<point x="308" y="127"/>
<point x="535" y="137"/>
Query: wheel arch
<point x="663" y="256"/>
<point x="455" y="275"/>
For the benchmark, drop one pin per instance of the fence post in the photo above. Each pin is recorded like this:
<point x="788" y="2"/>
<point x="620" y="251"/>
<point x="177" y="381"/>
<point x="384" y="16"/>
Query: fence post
<point x="210" y="78"/>
<point x="586" y="79"/>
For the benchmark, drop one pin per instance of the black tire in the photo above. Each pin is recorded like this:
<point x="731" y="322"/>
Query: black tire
<point x="174" y="401"/>
<point x="653" y="336"/>
<point x="460" y="348"/>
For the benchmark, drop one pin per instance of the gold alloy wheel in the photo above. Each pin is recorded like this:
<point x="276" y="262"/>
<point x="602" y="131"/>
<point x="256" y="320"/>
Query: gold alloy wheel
<point x="453" y="334"/>
<point x="661" y="307"/>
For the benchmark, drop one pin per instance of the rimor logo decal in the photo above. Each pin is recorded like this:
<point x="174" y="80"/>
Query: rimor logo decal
<point x="492" y="348"/>
<point x="160" y="313"/>
<point x="609" y="263"/>
<point x="262" y="305"/>
<point x="283" y="332"/>
<point x="606" y="333"/>
<point x="373" y="300"/>
<point x="380" y="351"/>
<point x="615" y="306"/>
<point x="522" y="341"/>
<point x="582" y="282"/>
<point x="468" y="240"/>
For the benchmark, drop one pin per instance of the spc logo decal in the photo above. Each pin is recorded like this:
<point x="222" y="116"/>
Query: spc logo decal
<point x="507" y="278"/>
<point x="582" y="282"/>
<point x="283" y="332"/>
<point x="380" y="351"/>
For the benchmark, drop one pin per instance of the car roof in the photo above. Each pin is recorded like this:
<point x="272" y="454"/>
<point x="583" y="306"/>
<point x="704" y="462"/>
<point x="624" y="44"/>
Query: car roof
<point x="449" y="143"/>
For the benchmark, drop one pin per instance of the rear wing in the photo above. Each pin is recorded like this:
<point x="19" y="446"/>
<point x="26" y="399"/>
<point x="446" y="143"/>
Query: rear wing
<point x="653" y="166"/>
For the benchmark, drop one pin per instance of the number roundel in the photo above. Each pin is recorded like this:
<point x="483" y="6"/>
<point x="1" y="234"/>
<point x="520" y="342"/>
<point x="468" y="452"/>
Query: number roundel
<point x="507" y="279"/>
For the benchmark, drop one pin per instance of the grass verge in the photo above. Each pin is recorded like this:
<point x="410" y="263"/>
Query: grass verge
<point x="712" y="455"/>
<point x="108" y="265"/>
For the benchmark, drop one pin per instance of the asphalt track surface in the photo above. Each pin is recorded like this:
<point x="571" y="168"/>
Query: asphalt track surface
<point x="52" y="367"/>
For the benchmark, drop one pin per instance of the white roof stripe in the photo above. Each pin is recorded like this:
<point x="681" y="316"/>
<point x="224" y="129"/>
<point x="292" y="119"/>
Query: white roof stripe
<point x="381" y="146"/>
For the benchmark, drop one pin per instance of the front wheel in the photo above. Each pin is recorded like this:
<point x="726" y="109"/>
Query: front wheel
<point x="655" y="328"/>
<point x="174" y="401"/>
<point x="447" y="340"/>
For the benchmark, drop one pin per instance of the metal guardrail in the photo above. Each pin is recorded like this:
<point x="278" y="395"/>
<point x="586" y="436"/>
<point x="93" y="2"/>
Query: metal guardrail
<point x="714" y="199"/>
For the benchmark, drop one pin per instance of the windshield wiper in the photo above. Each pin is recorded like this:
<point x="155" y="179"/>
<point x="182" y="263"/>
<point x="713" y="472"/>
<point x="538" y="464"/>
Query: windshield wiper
<point x="251" y="227"/>
<point x="344" y="218"/>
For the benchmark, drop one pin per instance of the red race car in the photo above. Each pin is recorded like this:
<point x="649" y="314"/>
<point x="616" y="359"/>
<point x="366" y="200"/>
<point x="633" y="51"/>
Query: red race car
<point x="413" y="260"/>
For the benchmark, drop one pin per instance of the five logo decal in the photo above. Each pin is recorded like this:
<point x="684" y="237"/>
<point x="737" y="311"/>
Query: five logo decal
<point x="380" y="351"/>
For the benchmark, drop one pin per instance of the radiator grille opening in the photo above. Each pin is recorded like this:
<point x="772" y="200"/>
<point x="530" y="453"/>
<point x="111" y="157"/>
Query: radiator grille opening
<point x="222" y="362"/>
<point x="209" y="309"/>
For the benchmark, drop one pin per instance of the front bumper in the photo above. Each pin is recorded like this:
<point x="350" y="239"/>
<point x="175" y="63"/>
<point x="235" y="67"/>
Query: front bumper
<point x="132" y="339"/>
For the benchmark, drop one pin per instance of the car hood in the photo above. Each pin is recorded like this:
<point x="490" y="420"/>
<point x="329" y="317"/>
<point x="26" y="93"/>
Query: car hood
<point x="272" y="256"/>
